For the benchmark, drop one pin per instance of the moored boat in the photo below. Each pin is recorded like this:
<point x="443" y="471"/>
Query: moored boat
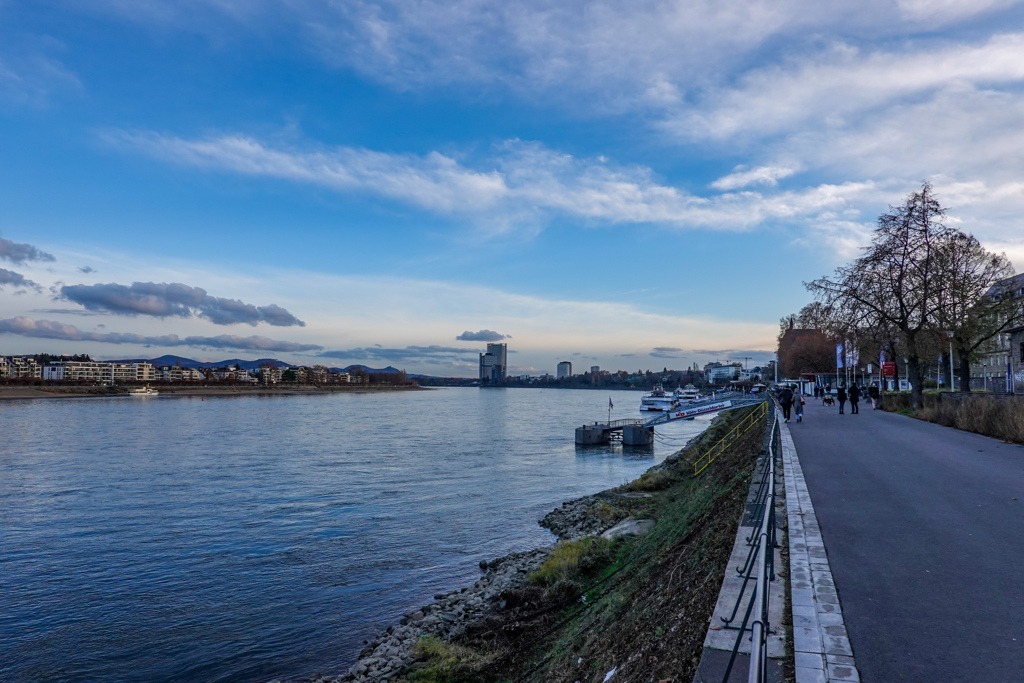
<point x="143" y="392"/>
<point x="687" y="394"/>
<point x="658" y="399"/>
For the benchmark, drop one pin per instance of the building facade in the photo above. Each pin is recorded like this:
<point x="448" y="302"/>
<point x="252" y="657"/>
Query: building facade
<point x="1016" y="335"/>
<point x="564" y="370"/>
<point x="993" y="371"/>
<point x="19" y="367"/>
<point x="494" y="363"/>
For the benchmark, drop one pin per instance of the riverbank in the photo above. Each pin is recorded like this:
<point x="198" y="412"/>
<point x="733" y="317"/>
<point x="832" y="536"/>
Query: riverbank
<point x="630" y="586"/>
<point x="44" y="391"/>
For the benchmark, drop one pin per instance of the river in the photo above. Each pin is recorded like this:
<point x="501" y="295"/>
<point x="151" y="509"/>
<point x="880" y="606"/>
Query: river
<point x="247" y="538"/>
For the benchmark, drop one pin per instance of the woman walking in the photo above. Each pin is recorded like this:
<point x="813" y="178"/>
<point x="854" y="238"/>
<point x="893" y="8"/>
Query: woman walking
<point x="873" y="395"/>
<point x="842" y="398"/>
<point x="798" y="404"/>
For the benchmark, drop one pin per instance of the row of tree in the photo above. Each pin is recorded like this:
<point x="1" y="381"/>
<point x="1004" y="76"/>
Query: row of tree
<point x="919" y="285"/>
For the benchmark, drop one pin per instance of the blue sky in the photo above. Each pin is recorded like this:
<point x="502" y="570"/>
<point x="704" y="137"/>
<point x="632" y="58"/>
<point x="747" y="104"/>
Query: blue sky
<point x="626" y="184"/>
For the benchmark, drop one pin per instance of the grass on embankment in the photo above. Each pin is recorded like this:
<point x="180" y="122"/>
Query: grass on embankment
<point x="986" y="415"/>
<point x="640" y="604"/>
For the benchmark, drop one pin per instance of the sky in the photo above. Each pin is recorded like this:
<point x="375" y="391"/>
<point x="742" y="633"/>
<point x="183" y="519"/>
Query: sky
<point x="632" y="185"/>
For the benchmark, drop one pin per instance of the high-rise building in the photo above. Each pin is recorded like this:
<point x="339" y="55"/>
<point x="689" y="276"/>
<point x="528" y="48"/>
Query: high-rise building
<point x="494" y="363"/>
<point x="564" y="369"/>
<point x="595" y="369"/>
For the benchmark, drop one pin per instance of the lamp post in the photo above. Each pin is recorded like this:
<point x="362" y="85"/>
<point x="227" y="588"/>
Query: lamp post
<point x="952" y="378"/>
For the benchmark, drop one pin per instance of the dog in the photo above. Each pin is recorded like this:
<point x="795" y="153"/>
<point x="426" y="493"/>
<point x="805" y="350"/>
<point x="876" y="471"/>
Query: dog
<point x="828" y="401"/>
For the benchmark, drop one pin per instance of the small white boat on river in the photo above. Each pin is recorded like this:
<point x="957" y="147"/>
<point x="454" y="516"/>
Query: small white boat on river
<point x="658" y="399"/>
<point x="143" y="392"/>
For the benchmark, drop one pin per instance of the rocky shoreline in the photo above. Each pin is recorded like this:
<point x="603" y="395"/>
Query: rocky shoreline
<point x="394" y="650"/>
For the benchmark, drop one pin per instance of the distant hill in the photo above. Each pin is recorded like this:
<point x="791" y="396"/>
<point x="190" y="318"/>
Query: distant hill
<point x="353" y="368"/>
<point x="191" y="363"/>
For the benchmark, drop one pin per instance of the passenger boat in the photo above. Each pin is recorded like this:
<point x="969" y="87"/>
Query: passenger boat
<point x="658" y="399"/>
<point x="687" y="394"/>
<point x="142" y="392"/>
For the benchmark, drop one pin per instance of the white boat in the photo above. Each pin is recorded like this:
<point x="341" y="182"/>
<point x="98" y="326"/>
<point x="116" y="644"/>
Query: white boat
<point x="143" y="392"/>
<point x="658" y="399"/>
<point x="687" y="394"/>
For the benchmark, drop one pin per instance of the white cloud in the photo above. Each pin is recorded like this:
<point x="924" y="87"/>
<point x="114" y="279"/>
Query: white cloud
<point x="522" y="182"/>
<point x="762" y="175"/>
<point x="830" y="89"/>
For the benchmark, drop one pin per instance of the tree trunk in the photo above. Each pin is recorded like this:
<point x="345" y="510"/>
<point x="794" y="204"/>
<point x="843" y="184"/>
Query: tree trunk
<point x="916" y="384"/>
<point x="947" y="379"/>
<point x="965" y="370"/>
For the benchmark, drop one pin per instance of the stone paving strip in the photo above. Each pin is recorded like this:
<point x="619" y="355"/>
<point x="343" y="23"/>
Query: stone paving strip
<point x="821" y="645"/>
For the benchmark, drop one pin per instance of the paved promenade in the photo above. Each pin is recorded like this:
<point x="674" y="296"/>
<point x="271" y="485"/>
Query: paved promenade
<point x="924" y="530"/>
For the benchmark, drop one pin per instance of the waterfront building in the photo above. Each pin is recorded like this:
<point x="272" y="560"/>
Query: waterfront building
<point x="595" y="369"/>
<point x="19" y="367"/>
<point x="78" y="371"/>
<point x="270" y="374"/>
<point x="5" y="367"/>
<point x="176" y="373"/>
<point x="494" y="363"/>
<point x="564" y="370"/>
<point x="720" y="373"/>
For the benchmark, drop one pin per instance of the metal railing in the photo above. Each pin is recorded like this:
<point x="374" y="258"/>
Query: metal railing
<point x="759" y="567"/>
<point x="741" y="428"/>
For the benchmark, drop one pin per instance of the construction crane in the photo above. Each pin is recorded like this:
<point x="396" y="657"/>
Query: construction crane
<point x="745" y="359"/>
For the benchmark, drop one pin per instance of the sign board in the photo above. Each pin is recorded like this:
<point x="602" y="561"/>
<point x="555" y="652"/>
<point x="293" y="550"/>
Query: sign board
<point x="889" y="369"/>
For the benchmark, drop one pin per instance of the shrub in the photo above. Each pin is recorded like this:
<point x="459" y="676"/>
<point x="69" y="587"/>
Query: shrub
<point x="446" y="661"/>
<point x="998" y="418"/>
<point x="571" y="558"/>
<point x="650" y="481"/>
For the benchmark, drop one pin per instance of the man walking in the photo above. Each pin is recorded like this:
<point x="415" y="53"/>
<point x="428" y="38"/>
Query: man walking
<point x="786" y="401"/>
<point x="854" y="399"/>
<point x="842" y="398"/>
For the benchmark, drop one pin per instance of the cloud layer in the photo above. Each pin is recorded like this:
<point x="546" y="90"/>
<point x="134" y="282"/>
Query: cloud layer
<point x="9" y="277"/>
<point x="164" y="300"/>
<point x="49" y="329"/>
<point x="19" y="253"/>
<point x="482" y="336"/>
<point x="431" y="355"/>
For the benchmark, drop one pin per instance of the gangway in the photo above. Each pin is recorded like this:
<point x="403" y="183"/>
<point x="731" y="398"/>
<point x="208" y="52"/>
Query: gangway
<point x="641" y="433"/>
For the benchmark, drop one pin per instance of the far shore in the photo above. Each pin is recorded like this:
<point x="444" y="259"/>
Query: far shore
<point x="33" y="391"/>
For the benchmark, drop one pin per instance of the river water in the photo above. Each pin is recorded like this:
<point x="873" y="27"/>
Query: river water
<point x="245" y="538"/>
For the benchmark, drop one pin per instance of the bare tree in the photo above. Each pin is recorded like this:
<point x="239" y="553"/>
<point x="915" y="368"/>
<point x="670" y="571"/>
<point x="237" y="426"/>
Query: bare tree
<point x="895" y="283"/>
<point x="973" y="304"/>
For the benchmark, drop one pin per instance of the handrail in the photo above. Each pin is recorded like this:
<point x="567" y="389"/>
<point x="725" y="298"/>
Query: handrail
<point x="746" y="423"/>
<point x="763" y="544"/>
<point x="765" y="574"/>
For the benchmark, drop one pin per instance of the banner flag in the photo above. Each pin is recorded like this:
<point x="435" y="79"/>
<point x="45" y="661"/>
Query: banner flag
<point x="839" y="355"/>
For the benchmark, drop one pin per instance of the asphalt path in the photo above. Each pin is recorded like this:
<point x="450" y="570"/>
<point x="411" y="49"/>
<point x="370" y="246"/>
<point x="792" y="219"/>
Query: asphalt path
<point x="924" y="529"/>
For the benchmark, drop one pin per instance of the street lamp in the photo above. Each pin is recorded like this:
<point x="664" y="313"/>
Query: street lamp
<point x="952" y="380"/>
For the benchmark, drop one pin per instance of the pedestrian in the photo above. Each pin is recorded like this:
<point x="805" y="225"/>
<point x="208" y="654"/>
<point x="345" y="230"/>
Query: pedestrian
<point x="786" y="401"/>
<point x="873" y="395"/>
<point x="798" y="404"/>
<point x="854" y="400"/>
<point x="842" y="398"/>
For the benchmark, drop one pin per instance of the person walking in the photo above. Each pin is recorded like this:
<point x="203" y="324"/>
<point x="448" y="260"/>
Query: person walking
<point x="798" y="404"/>
<point x="854" y="400"/>
<point x="873" y="395"/>
<point x="786" y="401"/>
<point x="841" y="396"/>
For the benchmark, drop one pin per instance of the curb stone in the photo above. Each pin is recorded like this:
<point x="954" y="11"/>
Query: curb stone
<point x="821" y="645"/>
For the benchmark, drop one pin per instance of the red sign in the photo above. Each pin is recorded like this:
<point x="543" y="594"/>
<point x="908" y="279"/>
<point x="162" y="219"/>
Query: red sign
<point x="889" y="369"/>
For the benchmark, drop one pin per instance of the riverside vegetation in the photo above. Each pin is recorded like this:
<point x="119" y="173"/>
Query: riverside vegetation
<point x="986" y="415"/>
<point x="594" y="601"/>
